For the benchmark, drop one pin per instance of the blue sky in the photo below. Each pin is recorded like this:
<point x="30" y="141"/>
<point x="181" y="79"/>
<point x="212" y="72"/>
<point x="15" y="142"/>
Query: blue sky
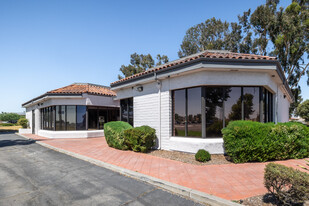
<point x="45" y="45"/>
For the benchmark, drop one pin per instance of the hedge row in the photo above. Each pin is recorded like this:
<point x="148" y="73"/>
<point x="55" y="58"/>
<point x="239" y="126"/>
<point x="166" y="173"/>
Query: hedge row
<point x="247" y="141"/>
<point x="121" y="135"/>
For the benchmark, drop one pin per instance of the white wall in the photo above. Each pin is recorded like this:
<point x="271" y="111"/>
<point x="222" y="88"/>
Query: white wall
<point x="283" y="107"/>
<point x="147" y="110"/>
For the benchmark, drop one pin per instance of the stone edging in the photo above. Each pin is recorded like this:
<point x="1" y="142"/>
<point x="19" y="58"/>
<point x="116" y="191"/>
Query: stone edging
<point x="177" y="189"/>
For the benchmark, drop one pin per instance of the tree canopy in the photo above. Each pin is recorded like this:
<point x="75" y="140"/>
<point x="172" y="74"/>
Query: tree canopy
<point x="268" y="30"/>
<point x="303" y="110"/>
<point x="140" y="63"/>
<point x="9" y="116"/>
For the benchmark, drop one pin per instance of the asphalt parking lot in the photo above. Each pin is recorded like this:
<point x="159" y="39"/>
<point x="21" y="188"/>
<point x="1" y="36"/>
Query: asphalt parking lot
<point x="31" y="174"/>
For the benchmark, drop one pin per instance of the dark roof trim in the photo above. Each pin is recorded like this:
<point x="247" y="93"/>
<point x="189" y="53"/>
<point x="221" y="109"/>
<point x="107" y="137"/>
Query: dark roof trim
<point x="212" y="61"/>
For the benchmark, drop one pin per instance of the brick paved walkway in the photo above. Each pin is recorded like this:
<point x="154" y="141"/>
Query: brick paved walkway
<point x="229" y="181"/>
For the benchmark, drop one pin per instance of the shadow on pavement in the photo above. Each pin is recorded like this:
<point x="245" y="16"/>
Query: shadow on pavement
<point x="6" y="143"/>
<point x="3" y="131"/>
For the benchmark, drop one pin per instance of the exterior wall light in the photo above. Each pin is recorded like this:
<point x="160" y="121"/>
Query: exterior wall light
<point x="139" y="88"/>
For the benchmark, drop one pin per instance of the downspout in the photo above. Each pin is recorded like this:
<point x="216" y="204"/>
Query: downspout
<point x="159" y="85"/>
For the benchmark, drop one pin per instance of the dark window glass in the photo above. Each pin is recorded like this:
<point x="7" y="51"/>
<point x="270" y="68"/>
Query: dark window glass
<point x="52" y="118"/>
<point x="232" y="104"/>
<point x="102" y="118"/>
<point x="179" y="99"/>
<point x="214" y="111"/>
<point x="124" y="110"/>
<point x="80" y="117"/>
<point x="113" y="115"/>
<point x="251" y="99"/>
<point x="92" y="119"/>
<point x="270" y="107"/>
<point x="60" y="118"/>
<point x="71" y="118"/>
<point x="130" y="105"/>
<point x="262" y="106"/>
<point x="194" y="112"/>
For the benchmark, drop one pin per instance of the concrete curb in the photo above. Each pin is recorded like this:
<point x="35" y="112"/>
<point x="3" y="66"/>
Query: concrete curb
<point x="177" y="189"/>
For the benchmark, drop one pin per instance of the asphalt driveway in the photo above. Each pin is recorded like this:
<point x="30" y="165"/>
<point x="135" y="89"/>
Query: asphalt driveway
<point x="31" y="174"/>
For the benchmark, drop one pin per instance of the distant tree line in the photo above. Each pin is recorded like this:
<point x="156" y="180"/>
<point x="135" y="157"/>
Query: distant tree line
<point x="9" y="116"/>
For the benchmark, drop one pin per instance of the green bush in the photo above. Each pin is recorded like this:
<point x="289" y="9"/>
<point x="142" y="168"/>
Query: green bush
<point x="140" y="139"/>
<point x="202" y="156"/>
<point x="23" y="122"/>
<point x="7" y="124"/>
<point x="114" y="134"/>
<point x="247" y="141"/>
<point x="288" y="185"/>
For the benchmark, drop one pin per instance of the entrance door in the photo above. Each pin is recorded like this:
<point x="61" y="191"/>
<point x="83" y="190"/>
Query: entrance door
<point x="33" y="122"/>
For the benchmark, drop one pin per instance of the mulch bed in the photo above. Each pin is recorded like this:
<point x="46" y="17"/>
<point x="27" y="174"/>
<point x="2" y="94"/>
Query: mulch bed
<point x="190" y="158"/>
<point x="263" y="200"/>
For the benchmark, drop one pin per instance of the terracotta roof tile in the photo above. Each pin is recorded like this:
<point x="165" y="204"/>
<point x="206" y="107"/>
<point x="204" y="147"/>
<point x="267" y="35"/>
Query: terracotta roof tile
<point x="205" y="54"/>
<point x="80" y="88"/>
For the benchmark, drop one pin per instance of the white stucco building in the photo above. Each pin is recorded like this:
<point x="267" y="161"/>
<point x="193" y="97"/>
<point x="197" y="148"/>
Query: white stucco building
<point x="189" y="101"/>
<point x="78" y="110"/>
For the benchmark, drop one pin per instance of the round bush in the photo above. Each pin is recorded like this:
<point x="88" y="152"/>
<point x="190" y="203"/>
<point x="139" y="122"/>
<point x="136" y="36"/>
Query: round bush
<point x="140" y="139"/>
<point x="114" y="134"/>
<point x="202" y="156"/>
<point x="23" y="122"/>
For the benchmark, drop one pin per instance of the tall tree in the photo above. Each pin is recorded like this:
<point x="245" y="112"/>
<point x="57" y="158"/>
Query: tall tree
<point x="207" y="35"/>
<point x="269" y="30"/>
<point x="140" y="63"/>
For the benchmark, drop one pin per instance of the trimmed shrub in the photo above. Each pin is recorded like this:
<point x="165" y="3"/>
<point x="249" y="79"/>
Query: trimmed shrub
<point x="288" y="185"/>
<point x="23" y="122"/>
<point x="114" y="134"/>
<point x="202" y="156"/>
<point x="247" y="141"/>
<point x="140" y="139"/>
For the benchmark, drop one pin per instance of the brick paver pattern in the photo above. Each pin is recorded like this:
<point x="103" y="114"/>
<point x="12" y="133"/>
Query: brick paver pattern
<point x="228" y="181"/>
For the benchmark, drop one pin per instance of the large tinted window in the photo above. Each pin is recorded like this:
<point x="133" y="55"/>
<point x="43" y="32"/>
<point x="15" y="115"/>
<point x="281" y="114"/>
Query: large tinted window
<point x="47" y="118"/>
<point x="194" y="112"/>
<point x="130" y="106"/>
<point x="126" y="108"/>
<point x="251" y="99"/>
<point x="80" y="117"/>
<point x="60" y="118"/>
<point x="179" y="98"/>
<point x="71" y="118"/>
<point x="194" y="117"/>
<point x="268" y="106"/>
<point x="214" y="111"/>
<point x="232" y="104"/>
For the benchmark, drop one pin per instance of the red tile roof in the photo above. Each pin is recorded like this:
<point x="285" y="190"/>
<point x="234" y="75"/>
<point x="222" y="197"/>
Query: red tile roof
<point x="80" y="88"/>
<point x="204" y="54"/>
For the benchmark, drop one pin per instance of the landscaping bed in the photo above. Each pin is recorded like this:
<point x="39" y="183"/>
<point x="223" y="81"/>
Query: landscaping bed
<point x="189" y="158"/>
<point x="262" y="200"/>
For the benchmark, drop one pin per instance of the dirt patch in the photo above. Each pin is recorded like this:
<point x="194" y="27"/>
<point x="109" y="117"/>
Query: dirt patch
<point x="190" y="158"/>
